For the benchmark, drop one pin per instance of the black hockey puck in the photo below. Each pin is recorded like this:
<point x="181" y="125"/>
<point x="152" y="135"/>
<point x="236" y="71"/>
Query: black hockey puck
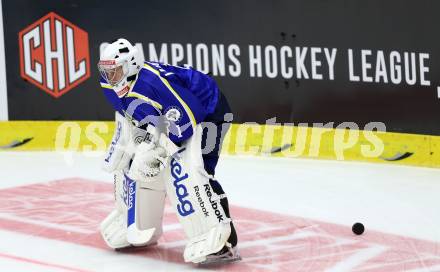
<point x="358" y="228"/>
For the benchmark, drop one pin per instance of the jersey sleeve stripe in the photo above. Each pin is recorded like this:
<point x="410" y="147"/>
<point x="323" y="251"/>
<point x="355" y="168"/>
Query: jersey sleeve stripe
<point x="146" y="99"/>
<point x="176" y="95"/>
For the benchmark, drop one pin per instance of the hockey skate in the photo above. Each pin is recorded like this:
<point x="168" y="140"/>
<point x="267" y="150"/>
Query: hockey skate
<point x="224" y="256"/>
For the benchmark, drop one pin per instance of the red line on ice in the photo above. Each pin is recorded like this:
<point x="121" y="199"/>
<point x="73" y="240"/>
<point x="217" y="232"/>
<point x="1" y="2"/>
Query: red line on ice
<point x="37" y="262"/>
<point x="267" y="240"/>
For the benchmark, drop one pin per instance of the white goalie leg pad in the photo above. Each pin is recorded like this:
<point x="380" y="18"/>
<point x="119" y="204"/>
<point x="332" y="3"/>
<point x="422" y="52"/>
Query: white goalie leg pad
<point x="149" y="209"/>
<point x="198" y="206"/>
<point x="113" y="230"/>
<point x="113" y="227"/>
<point x="137" y="218"/>
<point x="199" y="247"/>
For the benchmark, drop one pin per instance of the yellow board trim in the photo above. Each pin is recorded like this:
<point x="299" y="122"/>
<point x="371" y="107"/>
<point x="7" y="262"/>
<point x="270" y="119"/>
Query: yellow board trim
<point x="249" y="139"/>
<point x="168" y="85"/>
<point x="147" y="99"/>
<point x="241" y="139"/>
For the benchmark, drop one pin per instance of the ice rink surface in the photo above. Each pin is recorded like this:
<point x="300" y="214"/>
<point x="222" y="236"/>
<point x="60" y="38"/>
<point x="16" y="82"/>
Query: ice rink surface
<point x="291" y="215"/>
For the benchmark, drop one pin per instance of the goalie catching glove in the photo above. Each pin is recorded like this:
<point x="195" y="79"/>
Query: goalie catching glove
<point x="151" y="158"/>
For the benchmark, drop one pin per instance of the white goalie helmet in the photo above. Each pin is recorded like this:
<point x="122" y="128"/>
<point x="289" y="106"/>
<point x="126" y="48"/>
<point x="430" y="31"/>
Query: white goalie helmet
<point x="119" y="64"/>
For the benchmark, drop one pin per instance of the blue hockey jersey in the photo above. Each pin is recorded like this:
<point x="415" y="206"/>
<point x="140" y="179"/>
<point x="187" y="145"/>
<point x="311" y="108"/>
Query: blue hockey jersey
<point x="181" y="95"/>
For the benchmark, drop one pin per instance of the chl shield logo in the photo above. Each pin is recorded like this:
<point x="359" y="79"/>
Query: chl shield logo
<point x="54" y="54"/>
